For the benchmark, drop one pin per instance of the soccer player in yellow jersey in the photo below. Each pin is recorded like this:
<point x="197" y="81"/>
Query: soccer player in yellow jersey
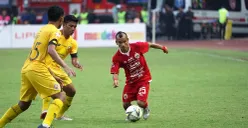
<point x="66" y="45"/>
<point x="35" y="75"/>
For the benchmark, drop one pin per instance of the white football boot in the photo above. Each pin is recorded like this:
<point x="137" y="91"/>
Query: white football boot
<point x="64" y="118"/>
<point x="146" y="113"/>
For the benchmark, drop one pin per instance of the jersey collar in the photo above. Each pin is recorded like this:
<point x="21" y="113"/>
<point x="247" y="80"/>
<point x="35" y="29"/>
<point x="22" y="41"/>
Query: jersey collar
<point x="127" y="53"/>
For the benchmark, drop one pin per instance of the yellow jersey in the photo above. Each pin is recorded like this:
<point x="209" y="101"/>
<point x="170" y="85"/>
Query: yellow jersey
<point x="39" y="59"/>
<point x="65" y="47"/>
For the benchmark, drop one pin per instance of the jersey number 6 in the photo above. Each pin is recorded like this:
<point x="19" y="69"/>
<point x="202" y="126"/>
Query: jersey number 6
<point x="35" y="49"/>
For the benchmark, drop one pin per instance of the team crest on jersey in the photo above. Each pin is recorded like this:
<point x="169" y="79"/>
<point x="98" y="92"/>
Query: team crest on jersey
<point x="57" y="34"/>
<point x="137" y="55"/>
<point x="56" y="87"/>
<point x="125" y="96"/>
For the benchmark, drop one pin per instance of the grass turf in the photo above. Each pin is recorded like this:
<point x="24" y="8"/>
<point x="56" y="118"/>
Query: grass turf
<point x="191" y="88"/>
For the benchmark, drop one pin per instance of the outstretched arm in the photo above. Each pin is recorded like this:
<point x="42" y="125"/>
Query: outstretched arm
<point x="158" y="46"/>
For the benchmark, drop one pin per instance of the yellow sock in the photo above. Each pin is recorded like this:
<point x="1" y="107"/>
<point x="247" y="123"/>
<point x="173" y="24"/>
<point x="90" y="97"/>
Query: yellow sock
<point x="46" y="103"/>
<point x="65" y="107"/>
<point x="10" y="114"/>
<point x="53" y="110"/>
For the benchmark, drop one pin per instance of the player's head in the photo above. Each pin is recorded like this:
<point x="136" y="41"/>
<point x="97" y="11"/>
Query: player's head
<point x="70" y="24"/>
<point x="122" y="40"/>
<point x="56" y="14"/>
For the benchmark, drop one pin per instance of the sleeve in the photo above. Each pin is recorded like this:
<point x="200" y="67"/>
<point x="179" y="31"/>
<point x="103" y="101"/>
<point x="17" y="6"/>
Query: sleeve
<point x="54" y="37"/>
<point x="115" y="66"/>
<point x="74" y="48"/>
<point x="143" y="47"/>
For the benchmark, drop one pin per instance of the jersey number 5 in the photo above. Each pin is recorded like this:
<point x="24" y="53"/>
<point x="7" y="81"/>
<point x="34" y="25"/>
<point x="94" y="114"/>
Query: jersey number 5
<point x="36" y="50"/>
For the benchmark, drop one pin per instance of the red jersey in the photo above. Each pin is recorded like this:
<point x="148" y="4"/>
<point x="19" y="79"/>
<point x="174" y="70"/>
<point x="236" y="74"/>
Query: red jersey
<point x="133" y="62"/>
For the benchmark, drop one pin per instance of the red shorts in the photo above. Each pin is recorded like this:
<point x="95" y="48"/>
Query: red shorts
<point x="137" y="91"/>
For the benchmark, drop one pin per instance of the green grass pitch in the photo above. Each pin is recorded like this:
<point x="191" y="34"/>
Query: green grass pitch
<point x="191" y="88"/>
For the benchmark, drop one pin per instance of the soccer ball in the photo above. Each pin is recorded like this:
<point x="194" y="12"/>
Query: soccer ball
<point x="133" y="113"/>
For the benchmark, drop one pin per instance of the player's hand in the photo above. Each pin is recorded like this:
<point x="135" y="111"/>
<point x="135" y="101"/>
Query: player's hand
<point x="116" y="83"/>
<point x="76" y="64"/>
<point x="60" y="81"/>
<point x="165" y="49"/>
<point x="69" y="71"/>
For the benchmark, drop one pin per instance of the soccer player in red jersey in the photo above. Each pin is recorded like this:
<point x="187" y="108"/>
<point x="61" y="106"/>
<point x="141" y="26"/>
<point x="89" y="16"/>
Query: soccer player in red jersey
<point x="130" y="57"/>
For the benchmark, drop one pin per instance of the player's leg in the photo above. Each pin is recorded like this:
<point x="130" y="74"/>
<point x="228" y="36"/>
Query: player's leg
<point x="70" y="92"/>
<point x="45" y="104"/>
<point x="27" y="94"/>
<point x="128" y="95"/>
<point x="45" y="84"/>
<point x="142" y="97"/>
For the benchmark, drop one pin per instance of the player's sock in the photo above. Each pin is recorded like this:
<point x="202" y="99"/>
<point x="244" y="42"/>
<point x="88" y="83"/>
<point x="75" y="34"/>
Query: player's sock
<point x="65" y="107"/>
<point x="53" y="110"/>
<point x="10" y="114"/>
<point x="46" y="103"/>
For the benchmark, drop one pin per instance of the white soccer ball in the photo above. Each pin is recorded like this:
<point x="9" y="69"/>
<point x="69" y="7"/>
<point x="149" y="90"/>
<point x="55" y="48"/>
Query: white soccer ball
<point x="134" y="113"/>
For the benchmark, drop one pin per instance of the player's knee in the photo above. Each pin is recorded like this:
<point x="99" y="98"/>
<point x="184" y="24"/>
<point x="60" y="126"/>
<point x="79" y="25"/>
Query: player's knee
<point x="126" y="105"/>
<point x="141" y="103"/>
<point x="70" y="90"/>
<point x="24" y="105"/>
<point x="60" y="96"/>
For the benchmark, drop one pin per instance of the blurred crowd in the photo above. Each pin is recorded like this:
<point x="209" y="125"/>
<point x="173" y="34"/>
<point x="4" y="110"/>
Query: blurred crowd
<point x="173" y="26"/>
<point x="86" y="16"/>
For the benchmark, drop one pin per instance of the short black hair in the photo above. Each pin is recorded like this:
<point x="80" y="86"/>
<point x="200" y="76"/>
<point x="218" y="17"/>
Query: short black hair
<point x="69" y="18"/>
<point x="120" y="34"/>
<point x="54" y="13"/>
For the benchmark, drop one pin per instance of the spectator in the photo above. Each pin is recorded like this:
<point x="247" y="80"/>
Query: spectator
<point x="223" y="15"/>
<point x="4" y="18"/>
<point x="92" y="16"/>
<point x="84" y="16"/>
<point x="181" y="24"/>
<point x="130" y="15"/>
<point x="44" y="18"/>
<point x="137" y="18"/>
<point x="32" y="17"/>
<point x="75" y="13"/>
<point x="25" y="16"/>
<point x="115" y="13"/>
<point x="144" y="14"/>
<point x="121" y="16"/>
<point x="189" y="23"/>
<point x="167" y="21"/>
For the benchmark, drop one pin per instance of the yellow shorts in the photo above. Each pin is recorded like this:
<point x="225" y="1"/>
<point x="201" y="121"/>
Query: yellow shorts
<point x="33" y="82"/>
<point x="59" y="72"/>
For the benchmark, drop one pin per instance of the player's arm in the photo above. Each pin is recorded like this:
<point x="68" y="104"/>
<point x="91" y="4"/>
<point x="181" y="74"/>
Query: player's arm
<point x="115" y="80"/>
<point x="74" y="56"/>
<point x="53" y="53"/>
<point x="115" y="71"/>
<point x="75" y="61"/>
<point x="158" y="46"/>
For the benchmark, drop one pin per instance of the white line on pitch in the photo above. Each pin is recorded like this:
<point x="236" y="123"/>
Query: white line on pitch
<point x="219" y="56"/>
